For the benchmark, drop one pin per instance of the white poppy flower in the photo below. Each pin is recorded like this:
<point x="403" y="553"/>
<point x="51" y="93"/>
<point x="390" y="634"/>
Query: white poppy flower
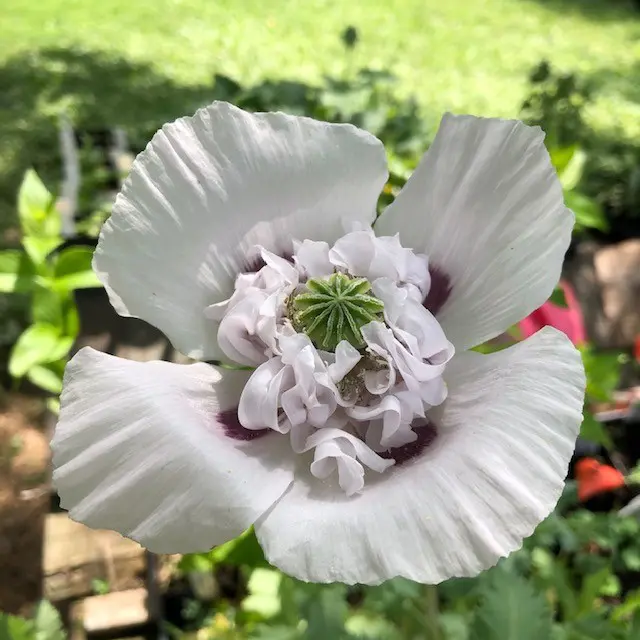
<point x="359" y="446"/>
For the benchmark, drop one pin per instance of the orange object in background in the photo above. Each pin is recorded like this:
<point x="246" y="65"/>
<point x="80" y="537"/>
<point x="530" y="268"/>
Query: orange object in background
<point x="595" y="478"/>
<point x="568" y="320"/>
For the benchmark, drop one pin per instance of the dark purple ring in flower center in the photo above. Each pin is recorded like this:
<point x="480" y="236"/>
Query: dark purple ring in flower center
<point x="426" y="432"/>
<point x="439" y="291"/>
<point x="233" y="429"/>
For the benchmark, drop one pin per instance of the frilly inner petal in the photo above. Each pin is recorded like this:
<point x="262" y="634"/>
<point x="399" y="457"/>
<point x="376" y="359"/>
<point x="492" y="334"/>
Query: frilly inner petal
<point x="352" y="407"/>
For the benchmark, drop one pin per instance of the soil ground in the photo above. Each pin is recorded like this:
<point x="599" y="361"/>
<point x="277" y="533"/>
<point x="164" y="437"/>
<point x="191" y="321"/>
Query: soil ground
<point x="24" y="501"/>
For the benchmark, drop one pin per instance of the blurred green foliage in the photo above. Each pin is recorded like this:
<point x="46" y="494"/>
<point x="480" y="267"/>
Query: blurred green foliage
<point x="45" y="274"/>
<point x="576" y="578"/>
<point x="600" y="173"/>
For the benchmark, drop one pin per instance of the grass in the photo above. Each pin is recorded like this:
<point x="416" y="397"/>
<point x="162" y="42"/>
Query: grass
<point x="128" y="62"/>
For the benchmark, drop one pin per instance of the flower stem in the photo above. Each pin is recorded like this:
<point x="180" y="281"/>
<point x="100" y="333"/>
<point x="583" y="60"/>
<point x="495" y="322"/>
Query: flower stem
<point x="432" y="607"/>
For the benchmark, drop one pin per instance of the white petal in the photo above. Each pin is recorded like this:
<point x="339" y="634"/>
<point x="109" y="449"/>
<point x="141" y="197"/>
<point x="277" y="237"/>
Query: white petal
<point x="486" y="206"/>
<point x="345" y="358"/>
<point x="260" y="399"/>
<point x="209" y="188"/>
<point x="146" y="449"/>
<point x="339" y="450"/>
<point x="362" y="253"/>
<point x="312" y="258"/>
<point x="495" y="470"/>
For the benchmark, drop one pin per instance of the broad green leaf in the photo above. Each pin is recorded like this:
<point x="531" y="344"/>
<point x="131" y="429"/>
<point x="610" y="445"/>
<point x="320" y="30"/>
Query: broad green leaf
<point x="45" y="378"/>
<point x="558" y="298"/>
<point x="39" y="248"/>
<point x="592" y="429"/>
<point x="47" y="622"/>
<point x="603" y="372"/>
<point x="16" y="271"/>
<point x="588" y="212"/>
<point x="36" y="209"/>
<point x="73" y="269"/>
<point x="243" y="550"/>
<point x="511" y="609"/>
<point x="47" y="306"/>
<point x="39" y="344"/>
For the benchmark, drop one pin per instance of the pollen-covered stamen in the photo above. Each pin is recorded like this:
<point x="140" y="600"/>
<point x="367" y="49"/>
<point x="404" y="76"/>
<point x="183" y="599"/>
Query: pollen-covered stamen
<point x="334" y="309"/>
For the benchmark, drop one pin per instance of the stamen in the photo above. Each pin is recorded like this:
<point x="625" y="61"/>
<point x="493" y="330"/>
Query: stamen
<point x="335" y="309"/>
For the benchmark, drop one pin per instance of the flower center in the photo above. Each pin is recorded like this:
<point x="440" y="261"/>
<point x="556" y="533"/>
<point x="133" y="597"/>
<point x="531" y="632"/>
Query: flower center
<point x="334" y="309"/>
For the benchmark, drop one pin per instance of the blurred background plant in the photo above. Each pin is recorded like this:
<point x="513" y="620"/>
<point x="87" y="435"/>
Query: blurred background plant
<point x="578" y="576"/>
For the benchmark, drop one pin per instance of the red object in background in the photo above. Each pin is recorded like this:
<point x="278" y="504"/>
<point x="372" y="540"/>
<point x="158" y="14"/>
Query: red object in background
<point x="595" y="478"/>
<point x="568" y="320"/>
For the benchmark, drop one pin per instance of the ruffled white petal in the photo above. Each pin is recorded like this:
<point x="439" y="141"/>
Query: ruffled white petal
<point x="250" y="320"/>
<point x="496" y="469"/>
<point x="362" y="254"/>
<point x="391" y="418"/>
<point x="336" y="450"/>
<point x="312" y="258"/>
<point x="210" y="187"/>
<point x="142" y="448"/>
<point x="290" y="391"/>
<point x="486" y="206"/>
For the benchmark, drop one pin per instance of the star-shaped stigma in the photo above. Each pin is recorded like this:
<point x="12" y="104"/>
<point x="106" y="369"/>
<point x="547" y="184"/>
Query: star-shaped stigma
<point x="335" y="309"/>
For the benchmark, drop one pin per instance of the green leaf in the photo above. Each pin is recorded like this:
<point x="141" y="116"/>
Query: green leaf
<point x="595" y="431"/>
<point x="591" y="627"/>
<point x="39" y="344"/>
<point x="561" y="156"/>
<point x="628" y="608"/>
<point x="454" y="625"/>
<point x="53" y="405"/>
<point x="45" y="378"/>
<point x="326" y="612"/>
<point x="47" y="623"/>
<point x="47" y="305"/>
<point x="591" y="588"/>
<point x="511" y="609"/>
<point x="558" y="298"/>
<point x="275" y="632"/>
<point x="16" y="272"/>
<point x="572" y="173"/>
<point x="603" y="372"/>
<point x="36" y="210"/>
<point x="196" y="563"/>
<point x="15" y="628"/>
<point x="264" y="593"/>
<point x="73" y="269"/>
<point x="244" y="550"/>
<point x="588" y="212"/>
<point x="39" y="248"/>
